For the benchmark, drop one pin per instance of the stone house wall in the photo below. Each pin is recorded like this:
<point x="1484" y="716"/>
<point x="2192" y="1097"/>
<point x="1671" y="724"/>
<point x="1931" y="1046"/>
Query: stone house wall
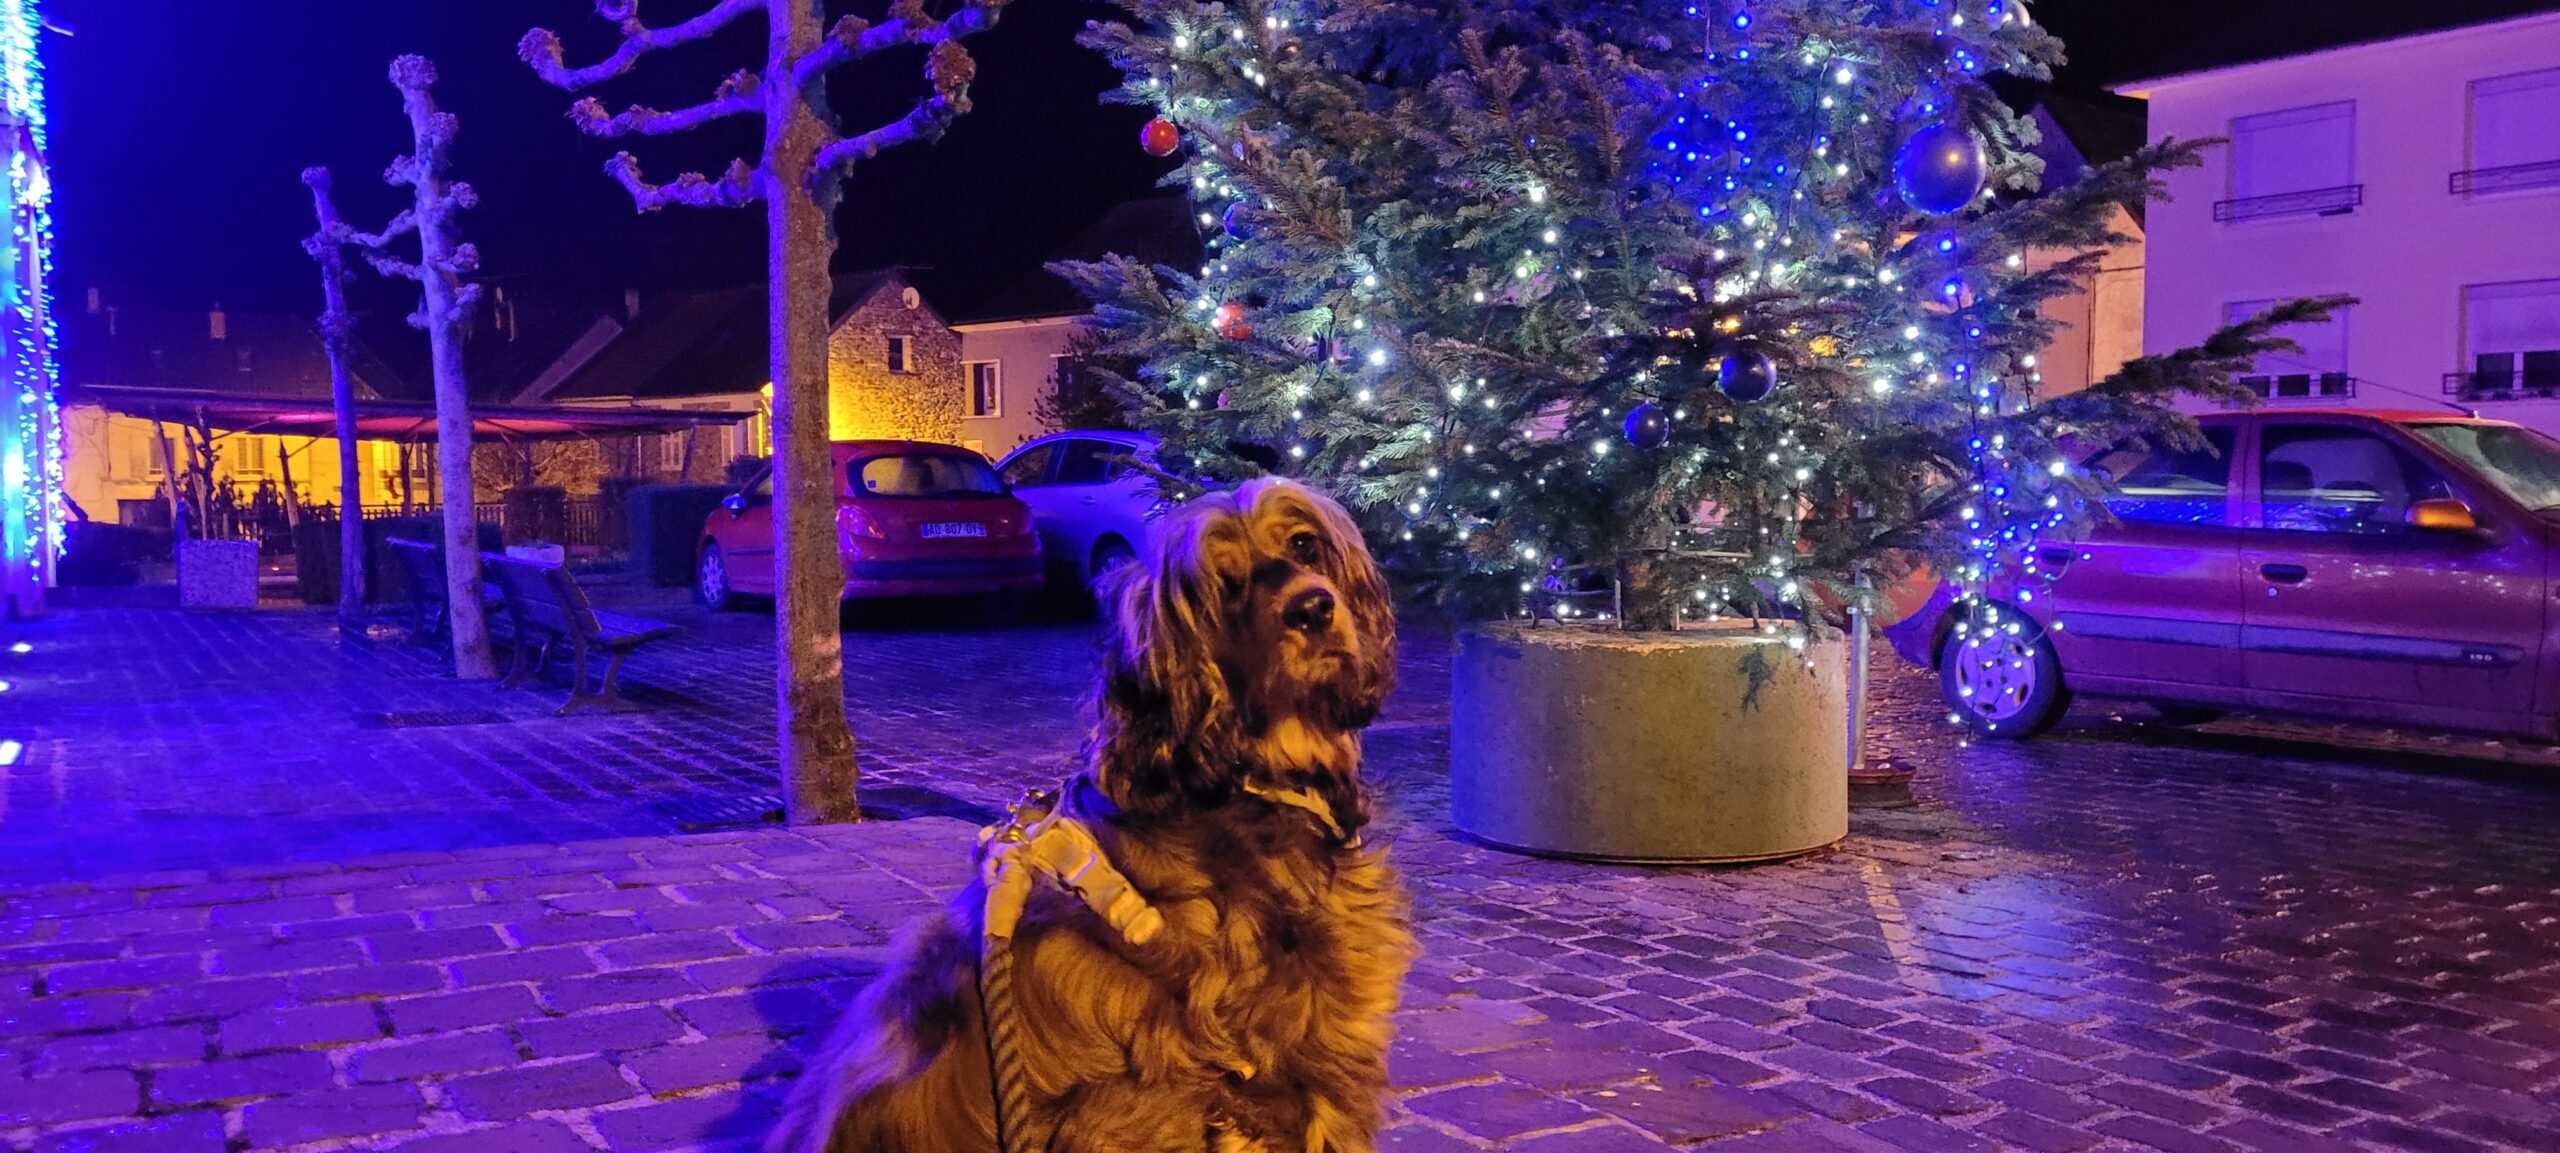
<point x="866" y="400"/>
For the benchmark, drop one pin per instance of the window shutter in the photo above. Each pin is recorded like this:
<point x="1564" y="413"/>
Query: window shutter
<point x="2300" y="150"/>
<point x="2515" y="120"/>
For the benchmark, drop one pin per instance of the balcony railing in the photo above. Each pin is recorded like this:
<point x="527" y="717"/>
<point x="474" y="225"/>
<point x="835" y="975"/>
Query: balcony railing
<point x="2312" y="202"/>
<point x="2302" y="386"/>
<point x="2538" y="379"/>
<point x="2510" y="178"/>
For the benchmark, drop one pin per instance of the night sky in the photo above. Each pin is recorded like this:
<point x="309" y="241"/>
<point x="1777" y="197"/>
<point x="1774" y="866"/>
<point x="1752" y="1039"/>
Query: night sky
<point x="178" y="138"/>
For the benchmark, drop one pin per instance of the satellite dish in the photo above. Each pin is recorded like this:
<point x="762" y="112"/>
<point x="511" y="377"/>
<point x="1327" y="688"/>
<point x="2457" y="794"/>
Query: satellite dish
<point x="911" y="298"/>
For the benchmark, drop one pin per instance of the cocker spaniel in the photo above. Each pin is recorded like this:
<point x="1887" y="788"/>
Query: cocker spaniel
<point x="1248" y="650"/>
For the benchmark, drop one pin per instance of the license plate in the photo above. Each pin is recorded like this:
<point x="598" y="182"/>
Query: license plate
<point x="951" y="528"/>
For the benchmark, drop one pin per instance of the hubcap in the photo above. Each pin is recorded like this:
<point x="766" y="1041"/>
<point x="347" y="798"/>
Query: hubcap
<point x="1994" y="675"/>
<point x="715" y="579"/>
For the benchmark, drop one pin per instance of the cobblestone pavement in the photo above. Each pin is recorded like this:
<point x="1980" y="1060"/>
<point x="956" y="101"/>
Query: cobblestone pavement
<point x="262" y="887"/>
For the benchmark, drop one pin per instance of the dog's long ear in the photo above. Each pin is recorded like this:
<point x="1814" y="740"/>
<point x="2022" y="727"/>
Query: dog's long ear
<point x="1168" y="732"/>
<point x="1363" y="587"/>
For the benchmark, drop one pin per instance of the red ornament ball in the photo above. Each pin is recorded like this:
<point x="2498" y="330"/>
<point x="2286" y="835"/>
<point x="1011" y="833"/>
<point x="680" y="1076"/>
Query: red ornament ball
<point x="1159" y="137"/>
<point x="1231" y="322"/>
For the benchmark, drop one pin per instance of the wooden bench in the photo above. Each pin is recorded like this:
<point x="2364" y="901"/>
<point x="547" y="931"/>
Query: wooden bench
<point x="546" y="606"/>
<point x="422" y="564"/>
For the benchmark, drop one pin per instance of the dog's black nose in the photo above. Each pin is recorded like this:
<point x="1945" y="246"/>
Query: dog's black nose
<point x="1310" y="611"/>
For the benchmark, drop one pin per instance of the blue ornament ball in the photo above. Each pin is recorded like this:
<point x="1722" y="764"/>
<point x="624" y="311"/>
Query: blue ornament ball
<point x="1940" y="169"/>
<point x="1647" y="428"/>
<point x="1238" y="221"/>
<point x="1744" y="372"/>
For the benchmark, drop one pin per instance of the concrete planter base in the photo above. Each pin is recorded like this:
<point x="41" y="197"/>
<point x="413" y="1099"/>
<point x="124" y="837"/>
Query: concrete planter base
<point x="1647" y="748"/>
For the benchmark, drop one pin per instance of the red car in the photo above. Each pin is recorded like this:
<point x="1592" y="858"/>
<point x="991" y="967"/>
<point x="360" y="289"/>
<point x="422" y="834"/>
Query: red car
<point x="2397" y="568"/>
<point x="912" y="519"/>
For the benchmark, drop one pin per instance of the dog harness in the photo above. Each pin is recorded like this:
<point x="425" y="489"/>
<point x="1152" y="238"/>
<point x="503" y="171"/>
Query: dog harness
<point x="1037" y="839"/>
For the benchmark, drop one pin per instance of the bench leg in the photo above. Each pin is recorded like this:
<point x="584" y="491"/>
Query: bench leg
<point x="579" y="697"/>
<point x="607" y="694"/>
<point x="521" y="669"/>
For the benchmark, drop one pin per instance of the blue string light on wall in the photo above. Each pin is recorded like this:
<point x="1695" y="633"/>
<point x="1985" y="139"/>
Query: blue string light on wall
<point x="31" y="486"/>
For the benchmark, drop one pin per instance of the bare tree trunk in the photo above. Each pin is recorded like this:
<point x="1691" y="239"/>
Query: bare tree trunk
<point x="292" y="504"/>
<point x="408" y="489"/>
<point x="819" y="776"/>
<point x="328" y="247"/>
<point x="169" y="480"/>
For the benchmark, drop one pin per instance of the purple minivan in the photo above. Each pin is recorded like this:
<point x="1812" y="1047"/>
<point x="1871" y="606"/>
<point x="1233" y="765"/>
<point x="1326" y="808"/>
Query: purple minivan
<point x="2396" y="567"/>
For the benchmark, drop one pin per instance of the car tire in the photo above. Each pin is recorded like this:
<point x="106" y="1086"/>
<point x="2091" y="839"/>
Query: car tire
<point x="2003" y="685"/>
<point x="711" y="580"/>
<point x="2188" y="716"/>
<point x="1108" y="558"/>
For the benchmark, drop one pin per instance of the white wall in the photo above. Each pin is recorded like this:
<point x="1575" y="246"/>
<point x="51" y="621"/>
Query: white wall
<point x="1026" y="353"/>
<point x="2408" y="252"/>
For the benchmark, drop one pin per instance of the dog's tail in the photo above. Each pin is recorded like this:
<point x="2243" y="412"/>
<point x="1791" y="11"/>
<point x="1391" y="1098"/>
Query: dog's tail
<point x="875" y="1087"/>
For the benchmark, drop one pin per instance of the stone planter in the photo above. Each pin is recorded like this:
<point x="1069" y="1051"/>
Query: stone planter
<point x="218" y="574"/>
<point x="1648" y="748"/>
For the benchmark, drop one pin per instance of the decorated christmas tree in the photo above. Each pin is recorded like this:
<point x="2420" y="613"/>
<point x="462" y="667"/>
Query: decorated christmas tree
<point x="1712" y="308"/>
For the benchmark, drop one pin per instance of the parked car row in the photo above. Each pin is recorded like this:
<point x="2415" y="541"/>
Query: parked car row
<point x="915" y="519"/>
<point x="2389" y="567"/>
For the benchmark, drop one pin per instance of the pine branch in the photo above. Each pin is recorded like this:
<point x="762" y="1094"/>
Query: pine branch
<point x="736" y="97"/>
<point x="540" y="47"/>
<point x="853" y="38"/>
<point x="734" y="188"/>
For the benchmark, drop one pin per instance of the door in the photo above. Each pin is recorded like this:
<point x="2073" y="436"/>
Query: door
<point x="2154" y="599"/>
<point x="747" y="538"/>
<point x="2349" y="607"/>
<point x="1028" y="473"/>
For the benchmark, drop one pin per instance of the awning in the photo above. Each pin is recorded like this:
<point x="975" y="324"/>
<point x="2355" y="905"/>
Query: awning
<point x="390" y="420"/>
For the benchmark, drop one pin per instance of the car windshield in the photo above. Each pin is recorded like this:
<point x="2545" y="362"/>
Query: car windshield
<point x="941" y="475"/>
<point x="2522" y="463"/>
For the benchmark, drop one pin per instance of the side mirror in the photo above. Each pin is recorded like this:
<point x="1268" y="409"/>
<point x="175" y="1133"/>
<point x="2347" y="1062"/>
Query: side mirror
<point x="736" y="503"/>
<point x="2442" y="515"/>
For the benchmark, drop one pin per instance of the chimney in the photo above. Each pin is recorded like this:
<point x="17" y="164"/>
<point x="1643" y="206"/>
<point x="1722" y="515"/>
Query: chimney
<point x="630" y="303"/>
<point x="220" y="324"/>
<point x="111" y="320"/>
<point x="93" y="300"/>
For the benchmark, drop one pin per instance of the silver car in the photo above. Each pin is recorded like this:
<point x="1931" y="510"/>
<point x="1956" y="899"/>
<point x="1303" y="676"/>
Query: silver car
<point x="1089" y="504"/>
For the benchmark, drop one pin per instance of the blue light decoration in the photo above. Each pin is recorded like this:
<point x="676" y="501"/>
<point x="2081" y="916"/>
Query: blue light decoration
<point x="1940" y="169"/>
<point x="31" y="486"/>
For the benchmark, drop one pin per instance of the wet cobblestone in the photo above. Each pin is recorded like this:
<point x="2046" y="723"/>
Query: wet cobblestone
<point x="238" y="910"/>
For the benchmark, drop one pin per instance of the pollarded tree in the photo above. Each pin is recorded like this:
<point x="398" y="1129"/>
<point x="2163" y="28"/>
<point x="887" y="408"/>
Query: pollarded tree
<point x="337" y="325"/>
<point x="446" y="304"/>
<point x="1534" y="285"/>
<point x="799" y="177"/>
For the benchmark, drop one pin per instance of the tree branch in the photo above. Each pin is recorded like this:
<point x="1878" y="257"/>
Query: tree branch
<point x="540" y="47"/>
<point x="735" y="187"/>
<point x="950" y="70"/>
<point x="853" y="37"/>
<point x="736" y="97"/>
<point x="401" y="225"/>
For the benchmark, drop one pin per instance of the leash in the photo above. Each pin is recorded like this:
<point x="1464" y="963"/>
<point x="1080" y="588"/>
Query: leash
<point x="1037" y="840"/>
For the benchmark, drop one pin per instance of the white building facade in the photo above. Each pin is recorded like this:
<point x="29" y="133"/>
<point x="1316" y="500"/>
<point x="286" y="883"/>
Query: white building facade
<point x="2420" y="175"/>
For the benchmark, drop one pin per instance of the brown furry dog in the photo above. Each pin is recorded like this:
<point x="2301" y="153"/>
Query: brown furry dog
<point x="1248" y="651"/>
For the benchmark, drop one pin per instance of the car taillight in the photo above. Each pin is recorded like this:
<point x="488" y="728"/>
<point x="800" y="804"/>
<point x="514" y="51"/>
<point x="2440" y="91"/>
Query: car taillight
<point x="857" y="524"/>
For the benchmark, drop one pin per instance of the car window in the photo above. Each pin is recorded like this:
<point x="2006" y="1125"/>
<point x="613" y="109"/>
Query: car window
<point x="1091" y="462"/>
<point x="925" y="475"/>
<point x="2160" y="484"/>
<point x="2329" y="478"/>
<point x="1030" y="467"/>
<point x="760" y="491"/>
<point x="2524" y="464"/>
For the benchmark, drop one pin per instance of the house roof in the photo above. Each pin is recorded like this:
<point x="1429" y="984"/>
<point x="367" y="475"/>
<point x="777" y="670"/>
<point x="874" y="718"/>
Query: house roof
<point x="700" y="343"/>
<point x="2250" y="35"/>
<point x="1156" y="230"/>
<point x="259" y="355"/>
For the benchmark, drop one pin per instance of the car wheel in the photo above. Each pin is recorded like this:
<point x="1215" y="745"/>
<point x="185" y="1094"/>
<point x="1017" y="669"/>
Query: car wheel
<point x="2003" y="684"/>
<point x="1109" y="558"/>
<point x="711" y="580"/>
<point x="2188" y="716"/>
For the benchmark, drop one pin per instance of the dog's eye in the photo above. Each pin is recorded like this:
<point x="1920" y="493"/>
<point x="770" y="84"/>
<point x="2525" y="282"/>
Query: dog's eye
<point x="1303" y="547"/>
